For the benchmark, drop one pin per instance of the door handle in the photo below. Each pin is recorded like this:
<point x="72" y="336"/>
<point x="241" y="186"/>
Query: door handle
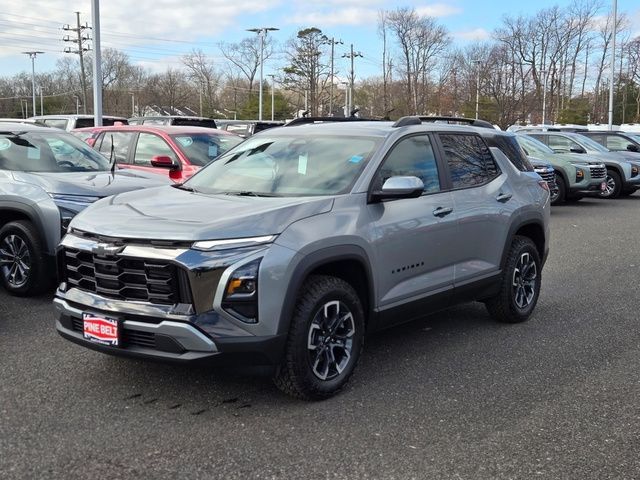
<point x="504" y="197"/>
<point x="442" y="211"/>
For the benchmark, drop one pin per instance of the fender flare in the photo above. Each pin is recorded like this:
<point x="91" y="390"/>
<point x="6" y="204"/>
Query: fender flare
<point x="316" y="259"/>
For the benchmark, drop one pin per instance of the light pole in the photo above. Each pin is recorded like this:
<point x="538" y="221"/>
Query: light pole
<point x="346" y="98"/>
<point x="613" y="62"/>
<point x="33" y="56"/>
<point x="477" y="62"/>
<point x="133" y="103"/>
<point x="41" y="101"/>
<point x="97" y="64"/>
<point x="262" y="33"/>
<point x="273" y="81"/>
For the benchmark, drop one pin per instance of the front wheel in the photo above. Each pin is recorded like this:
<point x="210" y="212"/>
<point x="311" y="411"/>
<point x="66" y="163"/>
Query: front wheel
<point x="21" y="259"/>
<point x="558" y="195"/>
<point x="325" y="339"/>
<point x="613" y="185"/>
<point x="520" y="284"/>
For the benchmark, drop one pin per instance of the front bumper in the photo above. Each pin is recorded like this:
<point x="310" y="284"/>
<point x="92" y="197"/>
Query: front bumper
<point x="171" y="340"/>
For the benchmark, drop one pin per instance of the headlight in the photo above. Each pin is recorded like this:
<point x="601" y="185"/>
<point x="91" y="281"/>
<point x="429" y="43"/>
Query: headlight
<point x="241" y="292"/>
<point x="66" y="216"/>
<point x="210" y="245"/>
<point x="579" y="174"/>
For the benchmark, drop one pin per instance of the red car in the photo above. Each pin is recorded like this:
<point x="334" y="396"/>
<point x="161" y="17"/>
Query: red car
<point x="180" y="150"/>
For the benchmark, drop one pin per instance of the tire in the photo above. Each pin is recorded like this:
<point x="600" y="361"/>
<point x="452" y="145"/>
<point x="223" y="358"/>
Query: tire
<point x="515" y="303"/>
<point x="22" y="274"/>
<point x="560" y="197"/>
<point x="614" y="185"/>
<point x="301" y="372"/>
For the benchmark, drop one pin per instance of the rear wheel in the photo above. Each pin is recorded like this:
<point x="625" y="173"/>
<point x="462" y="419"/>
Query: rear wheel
<point x="22" y="265"/>
<point x="325" y="339"/>
<point x="520" y="285"/>
<point x="613" y="185"/>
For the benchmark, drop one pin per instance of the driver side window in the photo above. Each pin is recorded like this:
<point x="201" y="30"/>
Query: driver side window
<point x="412" y="156"/>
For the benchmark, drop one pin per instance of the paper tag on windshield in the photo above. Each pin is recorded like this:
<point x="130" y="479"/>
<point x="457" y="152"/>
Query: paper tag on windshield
<point x="302" y="164"/>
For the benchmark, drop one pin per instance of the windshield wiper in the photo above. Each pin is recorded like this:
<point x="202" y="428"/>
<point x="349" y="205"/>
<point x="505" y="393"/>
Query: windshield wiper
<point x="249" y="193"/>
<point x="182" y="186"/>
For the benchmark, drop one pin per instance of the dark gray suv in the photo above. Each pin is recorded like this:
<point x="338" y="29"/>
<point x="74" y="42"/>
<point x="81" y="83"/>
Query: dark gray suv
<point x="291" y="246"/>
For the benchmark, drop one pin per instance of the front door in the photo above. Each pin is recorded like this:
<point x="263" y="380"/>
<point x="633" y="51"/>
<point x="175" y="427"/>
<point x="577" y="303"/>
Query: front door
<point x="414" y="261"/>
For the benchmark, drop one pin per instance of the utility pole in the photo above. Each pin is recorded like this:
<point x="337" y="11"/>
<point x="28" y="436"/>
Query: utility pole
<point x="133" y="104"/>
<point x="351" y="56"/>
<point x="33" y="56"/>
<point x="79" y="51"/>
<point x="613" y="62"/>
<point x="262" y="33"/>
<point x="333" y="42"/>
<point x="41" y="101"/>
<point x="97" y="64"/>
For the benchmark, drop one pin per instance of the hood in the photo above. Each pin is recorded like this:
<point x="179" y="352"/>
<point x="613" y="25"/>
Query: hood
<point x="613" y="156"/>
<point x="538" y="163"/>
<point x="93" y="184"/>
<point x="172" y="214"/>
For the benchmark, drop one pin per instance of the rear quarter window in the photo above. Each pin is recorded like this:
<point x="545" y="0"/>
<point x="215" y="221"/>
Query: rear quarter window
<point x="512" y="150"/>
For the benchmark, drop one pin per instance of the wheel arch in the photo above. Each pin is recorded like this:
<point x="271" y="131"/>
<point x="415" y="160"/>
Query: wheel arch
<point x="347" y="262"/>
<point x="532" y="228"/>
<point x="11" y="212"/>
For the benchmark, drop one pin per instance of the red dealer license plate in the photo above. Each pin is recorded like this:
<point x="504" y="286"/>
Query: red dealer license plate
<point x="104" y="331"/>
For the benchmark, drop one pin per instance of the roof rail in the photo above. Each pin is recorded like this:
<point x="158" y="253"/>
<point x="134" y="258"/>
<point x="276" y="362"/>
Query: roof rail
<point x="417" y="120"/>
<point x="307" y="120"/>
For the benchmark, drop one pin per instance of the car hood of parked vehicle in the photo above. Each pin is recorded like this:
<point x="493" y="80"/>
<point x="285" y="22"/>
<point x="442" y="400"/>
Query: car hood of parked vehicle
<point x="615" y="156"/>
<point x="172" y="214"/>
<point x="91" y="184"/>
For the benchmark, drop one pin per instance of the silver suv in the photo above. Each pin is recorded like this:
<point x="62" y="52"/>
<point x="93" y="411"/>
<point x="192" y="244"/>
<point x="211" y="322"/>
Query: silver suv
<point x="46" y="177"/>
<point x="292" y="245"/>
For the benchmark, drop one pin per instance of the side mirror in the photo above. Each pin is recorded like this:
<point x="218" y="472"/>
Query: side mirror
<point x="633" y="148"/>
<point x="164" y="161"/>
<point x="577" y="150"/>
<point x="398" y="187"/>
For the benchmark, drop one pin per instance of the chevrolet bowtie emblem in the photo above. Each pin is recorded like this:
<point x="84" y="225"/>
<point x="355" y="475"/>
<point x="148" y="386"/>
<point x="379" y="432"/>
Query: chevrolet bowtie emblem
<point x="106" y="249"/>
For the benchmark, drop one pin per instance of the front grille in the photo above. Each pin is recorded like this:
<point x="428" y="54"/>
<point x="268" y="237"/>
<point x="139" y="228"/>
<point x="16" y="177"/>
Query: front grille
<point x="128" y="338"/>
<point x="598" y="172"/>
<point x="124" y="278"/>
<point x="547" y="176"/>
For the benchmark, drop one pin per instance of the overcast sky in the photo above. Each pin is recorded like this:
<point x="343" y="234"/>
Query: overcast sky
<point x="155" y="33"/>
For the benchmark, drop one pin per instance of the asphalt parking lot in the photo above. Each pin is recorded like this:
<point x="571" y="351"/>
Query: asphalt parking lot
<point x="454" y="395"/>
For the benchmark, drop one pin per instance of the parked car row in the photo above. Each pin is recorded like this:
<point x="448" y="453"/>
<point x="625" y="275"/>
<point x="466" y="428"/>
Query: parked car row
<point x="287" y="247"/>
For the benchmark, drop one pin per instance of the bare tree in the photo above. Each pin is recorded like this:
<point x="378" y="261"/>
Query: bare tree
<point x="244" y="57"/>
<point x="202" y="72"/>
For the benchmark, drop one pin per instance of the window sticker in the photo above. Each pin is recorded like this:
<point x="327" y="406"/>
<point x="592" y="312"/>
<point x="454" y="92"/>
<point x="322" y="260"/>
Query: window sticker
<point x="356" y="159"/>
<point x="302" y="164"/>
<point x="4" y="144"/>
<point x="213" y="150"/>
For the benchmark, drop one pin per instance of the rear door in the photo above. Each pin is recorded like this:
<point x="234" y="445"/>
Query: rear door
<point x="414" y="261"/>
<point x="484" y="203"/>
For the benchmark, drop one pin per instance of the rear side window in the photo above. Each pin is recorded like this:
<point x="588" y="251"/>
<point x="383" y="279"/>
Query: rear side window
<point x="411" y="157"/>
<point x="55" y="122"/>
<point x="511" y="148"/>
<point x="470" y="160"/>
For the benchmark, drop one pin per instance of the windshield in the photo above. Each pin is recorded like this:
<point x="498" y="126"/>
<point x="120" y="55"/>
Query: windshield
<point x="634" y="136"/>
<point x="533" y="147"/>
<point x="48" y="151"/>
<point x="295" y="165"/>
<point x="201" y="148"/>
<point x="592" y="144"/>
